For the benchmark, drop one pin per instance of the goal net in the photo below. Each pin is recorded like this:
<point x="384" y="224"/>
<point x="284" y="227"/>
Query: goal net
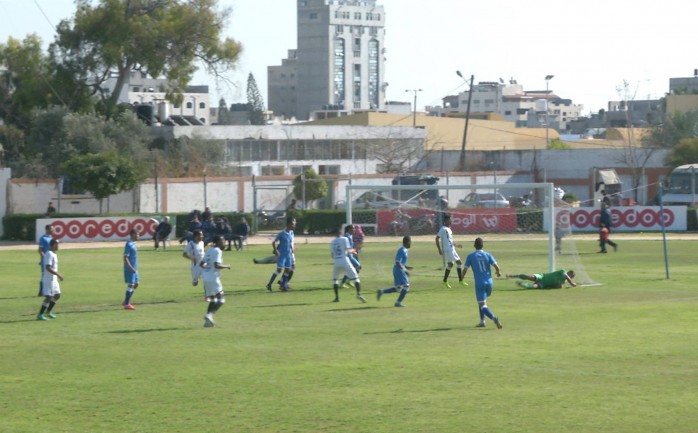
<point x="526" y="212"/>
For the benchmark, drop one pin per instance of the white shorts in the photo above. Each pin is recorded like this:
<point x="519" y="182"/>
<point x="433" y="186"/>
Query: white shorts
<point x="212" y="287"/>
<point x="50" y="287"/>
<point x="343" y="267"/>
<point x="451" y="256"/>
<point x="196" y="271"/>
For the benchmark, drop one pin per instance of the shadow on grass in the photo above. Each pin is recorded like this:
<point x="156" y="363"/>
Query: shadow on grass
<point x="411" y="331"/>
<point x="343" y="310"/>
<point x="139" y="331"/>
<point x="281" y="305"/>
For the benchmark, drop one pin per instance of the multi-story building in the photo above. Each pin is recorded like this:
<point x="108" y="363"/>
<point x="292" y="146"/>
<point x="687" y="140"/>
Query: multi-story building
<point x="534" y="109"/>
<point x="141" y="90"/>
<point x="338" y="64"/>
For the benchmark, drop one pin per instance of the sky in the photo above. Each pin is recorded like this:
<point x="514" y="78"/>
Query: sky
<point x="596" y="50"/>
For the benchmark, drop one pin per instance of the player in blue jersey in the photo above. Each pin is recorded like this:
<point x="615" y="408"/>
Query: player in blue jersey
<point x="353" y="258"/>
<point x="44" y="247"/>
<point x="481" y="261"/>
<point x="400" y="273"/>
<point x="130" y="268"/>
<point x="283" y="250"/>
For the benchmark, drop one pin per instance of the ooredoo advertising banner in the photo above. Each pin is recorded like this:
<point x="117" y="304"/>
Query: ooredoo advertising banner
<point x="95" y="229"/>
<point x="624" y="218"/>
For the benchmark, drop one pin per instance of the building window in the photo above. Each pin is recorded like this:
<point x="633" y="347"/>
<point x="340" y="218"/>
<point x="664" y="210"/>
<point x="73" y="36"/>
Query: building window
<point x="329" y="169"/>
<point x="339" y="29"/>
<point x="357" y="15"/>
<point x="190" y="105"/>
<point x="507" y="113"/>
<point x="202" y="105"/>
<point x="298" y="169"/>
<point x="272" y="170"/>
<point x="313" y="16"/>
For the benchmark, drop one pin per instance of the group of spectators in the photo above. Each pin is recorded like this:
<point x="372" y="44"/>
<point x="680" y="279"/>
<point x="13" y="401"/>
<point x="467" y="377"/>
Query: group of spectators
<point x="210" y="226"/>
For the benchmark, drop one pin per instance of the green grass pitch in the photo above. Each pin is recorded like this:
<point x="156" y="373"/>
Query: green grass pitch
<point x="619" y="357"/>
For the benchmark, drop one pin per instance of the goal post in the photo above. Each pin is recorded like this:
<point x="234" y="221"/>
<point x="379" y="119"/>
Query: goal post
<point x="503" y="209"/>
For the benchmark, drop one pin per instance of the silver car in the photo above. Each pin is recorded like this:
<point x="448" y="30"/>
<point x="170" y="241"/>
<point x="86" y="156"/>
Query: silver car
<point x="484" y="199"/>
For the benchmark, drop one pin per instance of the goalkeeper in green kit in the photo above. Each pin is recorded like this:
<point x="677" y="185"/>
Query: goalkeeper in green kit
<point x="551" y="280"/>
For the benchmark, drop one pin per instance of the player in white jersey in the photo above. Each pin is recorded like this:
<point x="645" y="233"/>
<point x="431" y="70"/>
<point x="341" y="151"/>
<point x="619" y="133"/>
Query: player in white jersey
<point x="212" y="264"/>
<point x="194" y="252"/>
<point x="50" y="289"/>
<point x="340" y="250"/>
<point x="446" y="247"/>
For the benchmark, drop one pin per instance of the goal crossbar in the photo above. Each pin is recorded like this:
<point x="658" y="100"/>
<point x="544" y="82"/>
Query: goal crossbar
<point x="546" y="188"/>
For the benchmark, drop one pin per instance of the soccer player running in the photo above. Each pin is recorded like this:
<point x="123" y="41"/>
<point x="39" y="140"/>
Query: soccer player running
<point x="50" y="289"/>
<point x="212" y="264"/>
<point x="551" y="280"/>
<point x="482" y="263"/>
<point x="283" y="250"/>
<point x="446" y="247"/>
<point x="194" y="252"/>
<point x="130" y="268"/>
<point x="400" y="273"/>
<point x="44" y="247"/>
<point x="353" y="258"/>
<point x="340" y="250"/>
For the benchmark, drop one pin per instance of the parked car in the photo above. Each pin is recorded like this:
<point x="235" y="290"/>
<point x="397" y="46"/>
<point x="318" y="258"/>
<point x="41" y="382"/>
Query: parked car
<point x="487" y="199"/>
<point x="372" y="200"/>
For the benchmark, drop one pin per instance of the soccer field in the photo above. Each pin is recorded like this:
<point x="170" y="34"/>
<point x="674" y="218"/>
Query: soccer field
<point x="616" y="357"/>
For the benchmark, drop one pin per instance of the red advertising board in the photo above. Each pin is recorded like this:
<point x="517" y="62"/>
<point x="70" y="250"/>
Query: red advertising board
<point x="462" y="220"/>
<point x="96" y="229"/>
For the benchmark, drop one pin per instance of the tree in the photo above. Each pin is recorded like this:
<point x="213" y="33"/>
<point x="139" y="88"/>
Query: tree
<point x="686" y="152"/>
<point x="224" y="117"/>
<point x="255" y="102"/>
<point x="23" y="80"/>
<point x="155" y="37"/>
<point x="309" y="186"/>
<point x="675" y="128"/>
<point x="103" y="174"/>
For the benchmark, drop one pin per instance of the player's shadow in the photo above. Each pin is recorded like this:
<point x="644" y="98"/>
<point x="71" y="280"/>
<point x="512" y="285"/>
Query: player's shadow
<point x="139" y="331"/>
<point x="349" y="309"/>
<point x="410" y="331"/>
<point x="281" y="305"/>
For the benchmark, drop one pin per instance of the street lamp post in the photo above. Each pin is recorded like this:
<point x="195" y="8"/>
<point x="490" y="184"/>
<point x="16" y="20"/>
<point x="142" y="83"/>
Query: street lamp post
<point x="414" y="107"/>
<point x="547" y="111"/>
<point x="467" y="119"/>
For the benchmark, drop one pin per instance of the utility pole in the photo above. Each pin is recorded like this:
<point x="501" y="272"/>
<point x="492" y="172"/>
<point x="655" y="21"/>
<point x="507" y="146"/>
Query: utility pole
<point x="414" y="107"/>
<point x="467" y="119"/>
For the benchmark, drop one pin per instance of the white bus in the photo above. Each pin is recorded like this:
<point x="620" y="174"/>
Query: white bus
<point x="683" y="189"/>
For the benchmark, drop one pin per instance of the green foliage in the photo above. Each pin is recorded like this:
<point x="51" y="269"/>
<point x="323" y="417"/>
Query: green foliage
<point x="158" y="38"/>
<point x="676" y="128"/>
<point x="570" y="197"/>
<point x="685" y="152"/>
<point x="103" y="174"/>
<point x="311" y="184"/>
<point x="556" y="143"/>
<point x="296" y="362"/>
<point x="255" y="102"/>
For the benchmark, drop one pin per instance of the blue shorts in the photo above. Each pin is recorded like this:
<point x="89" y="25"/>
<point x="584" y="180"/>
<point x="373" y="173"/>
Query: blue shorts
<point x="130" y="277"/>
<point x="285" y="262"/>
<point x="483" y="290"/>
<point x="400" y="278"/>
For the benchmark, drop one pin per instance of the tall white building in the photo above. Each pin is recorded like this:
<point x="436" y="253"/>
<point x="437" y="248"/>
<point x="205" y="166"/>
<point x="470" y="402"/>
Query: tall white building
<point x="338" y="63"/>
